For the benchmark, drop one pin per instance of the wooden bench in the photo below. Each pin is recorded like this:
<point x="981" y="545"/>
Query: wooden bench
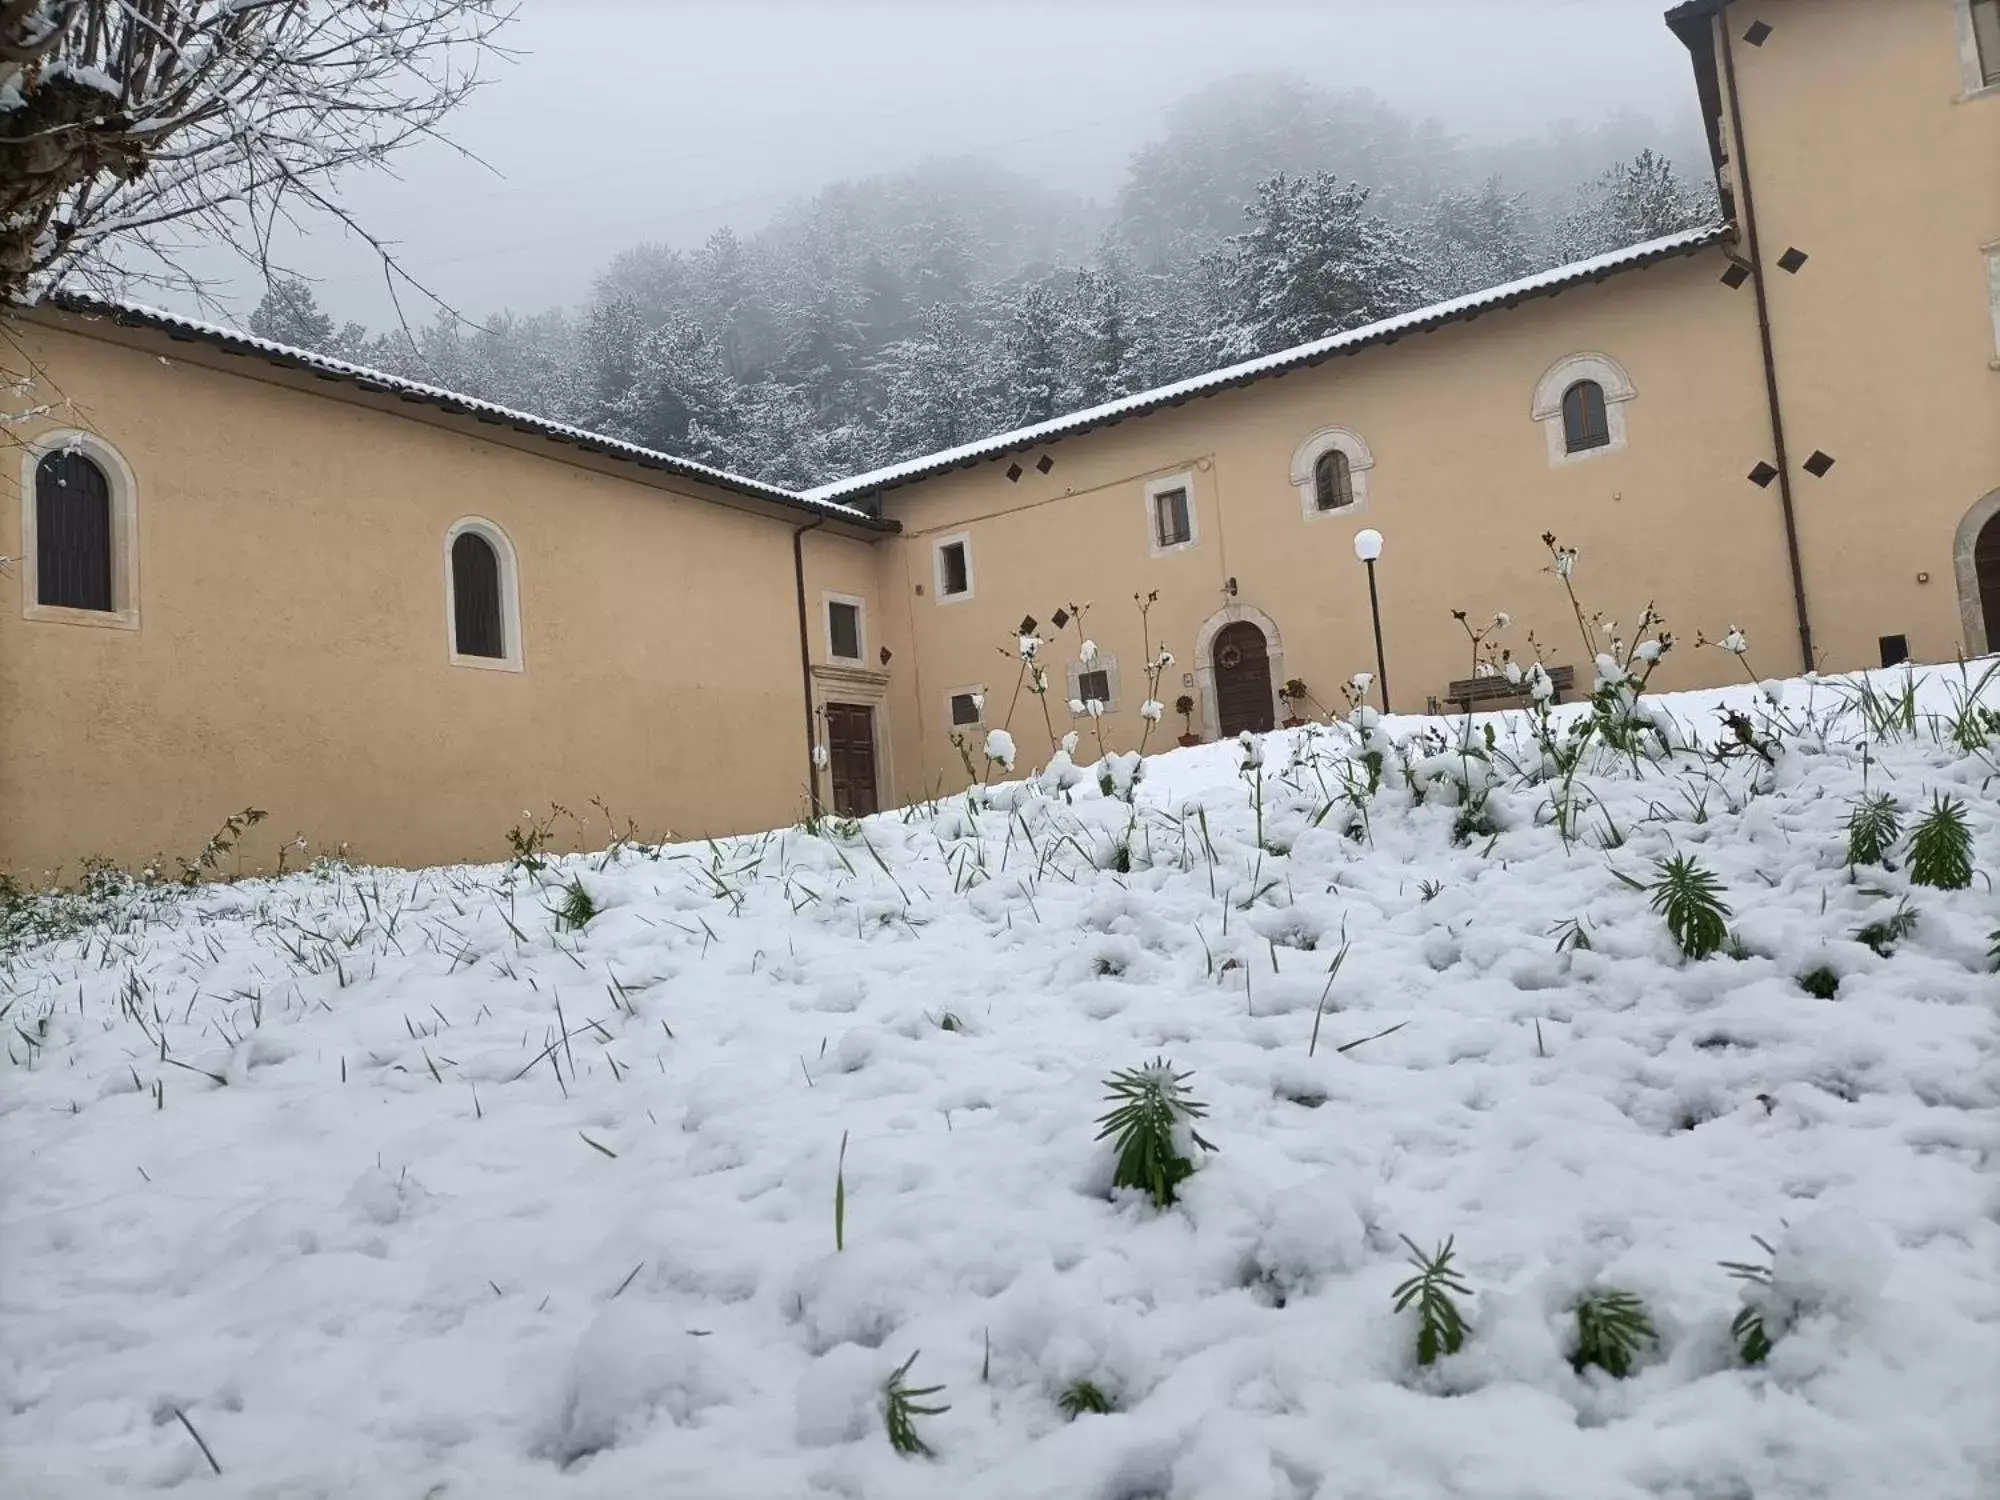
<point x="1499" y="692"/>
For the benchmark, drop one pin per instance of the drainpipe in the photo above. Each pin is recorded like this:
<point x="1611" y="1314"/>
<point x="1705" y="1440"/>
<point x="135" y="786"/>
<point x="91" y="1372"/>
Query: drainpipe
<point x="805" y="660"/>
<point x="1770" y="357"/>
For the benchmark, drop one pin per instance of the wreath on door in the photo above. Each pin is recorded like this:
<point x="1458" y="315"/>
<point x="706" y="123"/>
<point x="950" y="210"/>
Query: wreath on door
<point x="1229" y="658"/>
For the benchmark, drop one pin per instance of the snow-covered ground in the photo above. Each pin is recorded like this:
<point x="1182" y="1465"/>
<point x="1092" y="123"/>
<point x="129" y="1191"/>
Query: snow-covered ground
<point x="384" y="1186"/>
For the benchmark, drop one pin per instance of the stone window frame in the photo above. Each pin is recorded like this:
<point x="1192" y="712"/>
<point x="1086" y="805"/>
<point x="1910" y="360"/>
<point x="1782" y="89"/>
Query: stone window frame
<point x="1555" y="384"/>
<point x="124" y="611"/>
<point x="826" y="604"/>
<point x="970" y="690"/>
<point x="1972" y="66"/>
<point x="1156" y="487"/>
<point x="961" y="539"/>
<point x="1305" y="459"/>
<point x="513" y="657"/>
<point x="1107" y="663"/>
<point x="1992" y="253"/>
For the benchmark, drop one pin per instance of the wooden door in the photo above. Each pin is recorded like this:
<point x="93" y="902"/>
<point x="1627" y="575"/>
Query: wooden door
<point x="1986" y="569"/>
<point x="1242" y="680"/>
<point x="850" y="749"/>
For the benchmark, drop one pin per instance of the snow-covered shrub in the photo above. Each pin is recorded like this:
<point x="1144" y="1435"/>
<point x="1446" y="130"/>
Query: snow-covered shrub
<point x="1689" y="897"/>
<point x="900" y="1405"/>
<point x="1873" y="827"/>
<point x="1062" y="771"/>
<point x="1440" y="1325"/>
<point x="1830" y="1265"/>
<point x="529" y="841"/>
<point x="1884" y="933"/>
<point x="1083" y="1397"/>
<point x="577" y="907"/>
<point x="1611" y="1329"/>
<point x="1153" y="1122"/>
<point x="1118" y="776"/>
<point x="1252" y="771"/>
<point x="1974" y="726"/>
<point x="1941" y="847"/>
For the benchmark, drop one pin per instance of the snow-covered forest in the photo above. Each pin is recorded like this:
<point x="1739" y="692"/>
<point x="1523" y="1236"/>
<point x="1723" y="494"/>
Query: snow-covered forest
<point x="901" y="314"/>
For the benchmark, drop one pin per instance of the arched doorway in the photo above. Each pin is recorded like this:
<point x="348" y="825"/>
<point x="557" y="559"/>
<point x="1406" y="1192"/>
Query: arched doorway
<point x="1986" y="571"/>
<point x="1977" y="559"/>
<point x="1242" y="680"/>
<point x="1257" y="662"/>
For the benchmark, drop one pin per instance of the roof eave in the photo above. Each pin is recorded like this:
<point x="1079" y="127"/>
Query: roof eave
<point x="1308" y="359"/>
<point x="1693" y="23"/>
<point x="833" y="513"/>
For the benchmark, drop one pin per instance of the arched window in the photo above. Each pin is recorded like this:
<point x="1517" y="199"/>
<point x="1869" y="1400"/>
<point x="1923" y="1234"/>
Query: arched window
<point x="73" y="530"/>
<point x="1586" y="423"/>
<point x="482" y="596"/>
<point x="1333" y="481"/>
<point x="1582" y="404"/>
<point x="1330" y="470"/>
<point x="475" y="575"/>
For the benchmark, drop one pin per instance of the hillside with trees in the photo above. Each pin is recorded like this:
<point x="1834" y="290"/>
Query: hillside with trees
<point x="905" y="313"/>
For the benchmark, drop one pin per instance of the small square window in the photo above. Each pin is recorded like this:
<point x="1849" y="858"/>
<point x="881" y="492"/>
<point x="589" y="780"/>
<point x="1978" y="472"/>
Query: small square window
<point x="1171" y="526"/>
<point x="954" y="573"/>
<point x="843" y="628"/>
<point x="1895" y="650"/>
<point x="1094" y="684"/>
<point x="1986" y="39"/>
<point x="964" y="710"/>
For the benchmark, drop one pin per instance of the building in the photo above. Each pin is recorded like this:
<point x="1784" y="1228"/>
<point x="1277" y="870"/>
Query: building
<point x="307" y="575"/>
<point x="388" y="616"/>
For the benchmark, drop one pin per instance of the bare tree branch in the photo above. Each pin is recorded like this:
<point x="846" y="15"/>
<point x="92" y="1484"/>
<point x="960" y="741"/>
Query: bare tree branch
<point x="122" y="120"/>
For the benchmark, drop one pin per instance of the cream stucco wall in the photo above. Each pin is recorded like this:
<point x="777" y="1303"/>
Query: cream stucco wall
<point x="1462" y="488"/>
<point x="1866" y="152"/>
<point x="292" y="654"/>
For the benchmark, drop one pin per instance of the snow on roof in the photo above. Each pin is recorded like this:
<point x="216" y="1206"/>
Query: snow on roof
<point x="1421" y="320"/>
<point x="135" y="313"/>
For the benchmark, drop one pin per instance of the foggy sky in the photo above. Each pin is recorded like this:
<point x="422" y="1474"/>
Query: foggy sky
<point x="624" y="120"/>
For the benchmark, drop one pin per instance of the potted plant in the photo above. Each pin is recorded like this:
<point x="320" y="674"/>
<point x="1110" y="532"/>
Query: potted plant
<point x="1184" y="706"/>
<point x="1295" y="693"/>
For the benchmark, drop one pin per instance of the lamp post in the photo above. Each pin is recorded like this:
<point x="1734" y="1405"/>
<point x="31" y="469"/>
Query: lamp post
<point x="1368" y="547"/>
